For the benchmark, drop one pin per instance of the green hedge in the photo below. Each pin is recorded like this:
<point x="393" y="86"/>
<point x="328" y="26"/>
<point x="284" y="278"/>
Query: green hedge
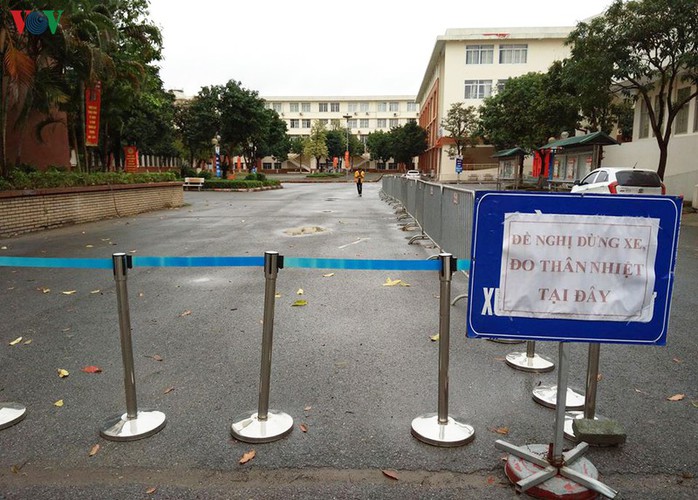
<point x="19" y="179"/>
<point x="238" y="184"/>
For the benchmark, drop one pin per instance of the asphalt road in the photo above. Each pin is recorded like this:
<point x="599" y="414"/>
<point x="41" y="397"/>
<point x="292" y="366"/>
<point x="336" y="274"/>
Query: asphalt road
<point x="355" y="365"/>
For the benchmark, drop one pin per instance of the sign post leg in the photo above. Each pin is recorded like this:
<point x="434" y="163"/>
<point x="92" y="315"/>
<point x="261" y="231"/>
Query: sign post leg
<point x="529" y="361"/>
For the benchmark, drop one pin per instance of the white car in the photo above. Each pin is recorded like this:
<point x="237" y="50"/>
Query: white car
<point x="620" y="181"/>
<point x="413" y="174"/>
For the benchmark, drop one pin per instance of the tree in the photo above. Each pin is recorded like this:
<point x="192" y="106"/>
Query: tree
<point x="379" y="145"/>
<point x="407" y="141"/>
<point x="316" y="145"/>
<point x="336" y="140"/>
<point x="526" y="112"/>
<point x="462" y="125"/>
<point x="297" y="146"/>
<point x="645" y="48"/>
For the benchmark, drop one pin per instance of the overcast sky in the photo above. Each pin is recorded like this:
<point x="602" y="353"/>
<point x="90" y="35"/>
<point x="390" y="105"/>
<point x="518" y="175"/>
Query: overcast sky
<point x="329" y="47"/>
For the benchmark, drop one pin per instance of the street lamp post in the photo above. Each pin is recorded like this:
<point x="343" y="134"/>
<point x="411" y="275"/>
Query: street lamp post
<point x="346" y="153"/>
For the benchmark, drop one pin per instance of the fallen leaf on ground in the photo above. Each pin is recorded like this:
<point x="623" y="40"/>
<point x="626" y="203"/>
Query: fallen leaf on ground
<point x="95" y="291"/>
<point x="391" y="474"/>
<point x="150" y="491"/>
<point x="185" y="313"/>
<point x="89" y="246"/>
<point x="599" y="377"/>
<point x="299" y="303"/>
<point x="391" y="282"/>
<point x="676" y="397"/>
<point x="94" y="450"/>
<point x="677" y="360"/>
<point x="277" y="295"/>
<point x="307" y="408"/>
<point x="328" y="275"/>
<point x="16" y="341"/>
<point x="299" y="292"/>
<point x="247" y="456"/>
<point x="168" y="390"/>
<point x="69" y="292"/>
<point x="694" y="403"/>
<point x="44" y="289"/>
<point x="63" y="373"/>
<point x="641" y="392"/>
<point x="434" y="338"/>
<point x="28" y="341"/>
<point x="92" y="369"/>
<point x="155" y="357"/>
<point x="501" y="430"/>
<point x="58" y="403"/>
<point x="303" y="427"/>
<point x="490" y="479"/>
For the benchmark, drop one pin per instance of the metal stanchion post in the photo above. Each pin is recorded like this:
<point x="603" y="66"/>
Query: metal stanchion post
<point x="439" y="429"/>
<point x="547" y="396"/>
<point x="529" y="361"/>
<point x="134" y="424"/>
<point x="11" y="413"/>
<point x="265" y="425"/>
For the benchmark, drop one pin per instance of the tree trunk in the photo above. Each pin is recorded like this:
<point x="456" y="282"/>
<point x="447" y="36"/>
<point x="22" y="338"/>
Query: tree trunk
<point x="663" y="155"/>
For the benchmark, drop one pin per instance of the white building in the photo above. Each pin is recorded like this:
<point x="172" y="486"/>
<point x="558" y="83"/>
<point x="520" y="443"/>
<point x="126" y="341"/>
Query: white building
<point x="362" y="114"/>
<point x="681" y="175"/>
<point x="468" y="65"/>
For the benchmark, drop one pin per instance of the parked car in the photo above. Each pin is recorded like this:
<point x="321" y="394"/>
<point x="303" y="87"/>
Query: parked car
<point x="413" y="174"/>
<point x="620" y="181"/>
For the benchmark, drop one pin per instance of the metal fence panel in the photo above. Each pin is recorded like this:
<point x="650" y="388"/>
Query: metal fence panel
<point x="432" y="212"/>
<point x="456" y="220"/>
<point x="411" y="204"/>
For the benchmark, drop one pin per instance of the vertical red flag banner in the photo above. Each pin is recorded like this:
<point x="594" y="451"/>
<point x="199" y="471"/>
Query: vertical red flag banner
<point x="93" y="101"/>
<point x="346" y="160"/>
<point x="131" y="159"/>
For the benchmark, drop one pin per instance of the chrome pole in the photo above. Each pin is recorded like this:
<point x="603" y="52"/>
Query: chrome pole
<point x="592" y="381"/>
<point x="444" y="333"/>
<point x="133" y="424"/>
<point x="562" y="375"/>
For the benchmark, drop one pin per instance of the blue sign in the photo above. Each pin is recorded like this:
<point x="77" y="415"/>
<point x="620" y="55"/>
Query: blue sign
<point x="459" y="164"/>
<point x="567" y="267"/>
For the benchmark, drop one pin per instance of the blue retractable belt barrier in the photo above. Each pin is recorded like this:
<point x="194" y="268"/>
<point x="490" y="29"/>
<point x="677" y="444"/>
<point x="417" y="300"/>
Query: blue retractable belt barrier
<point x="298" y="262"/>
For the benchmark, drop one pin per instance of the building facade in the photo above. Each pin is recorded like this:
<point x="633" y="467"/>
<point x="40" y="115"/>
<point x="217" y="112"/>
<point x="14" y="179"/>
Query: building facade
<point x="362" y="115"/>
<point x="469" y="65"/>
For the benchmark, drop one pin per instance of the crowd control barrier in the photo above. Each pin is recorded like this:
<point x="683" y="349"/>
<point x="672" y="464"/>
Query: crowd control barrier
<point x="264" y="425"/>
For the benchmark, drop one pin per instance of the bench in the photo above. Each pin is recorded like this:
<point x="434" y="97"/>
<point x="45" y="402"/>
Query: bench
<point x="193" y="182"/>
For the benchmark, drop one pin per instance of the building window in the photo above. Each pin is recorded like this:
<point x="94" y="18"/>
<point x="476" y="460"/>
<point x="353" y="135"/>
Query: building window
<point x="644" y="130"/>
<point x="295" y="123"/>
<point x="276" y="106"/>
<point x="324" y="121"/>
<point x="501" y="84"/>
<point x="382" y="123"/>
<point x="513" y="54"/>
<point x="306" y="123"/>
<point x="334" y="107"/>
<point x="394" y="106"/>
<point x="266" y="165"/>
<point x="352" y="123"/>
<point x="393" y="122"/>
<point x="411" y="106"/>
<point x="353" y="107"/>
<point x="293" y="107"/>
<point x="479" y="54"/>
<point x="382" y="107"/>
<point x="363" y="123"/>
<point x="322" y="107"/>
<point x="277" y="164"/>
<point x="681" y="120"/>
<point x="305" y="107"/>
<point x="478" y="89"/>
<point x="335" y="123"/>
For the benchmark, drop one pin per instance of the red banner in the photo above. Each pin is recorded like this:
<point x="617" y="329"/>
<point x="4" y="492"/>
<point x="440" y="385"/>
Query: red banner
<point x="131" y="159"/>
<point x="93" y="100"/>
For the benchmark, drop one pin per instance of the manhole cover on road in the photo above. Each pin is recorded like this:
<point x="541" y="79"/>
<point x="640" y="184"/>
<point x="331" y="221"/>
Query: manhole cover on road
<point x="301" y="231"/>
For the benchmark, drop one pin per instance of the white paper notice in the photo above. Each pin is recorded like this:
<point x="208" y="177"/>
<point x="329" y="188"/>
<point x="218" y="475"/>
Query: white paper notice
<point x="588" y="267"/>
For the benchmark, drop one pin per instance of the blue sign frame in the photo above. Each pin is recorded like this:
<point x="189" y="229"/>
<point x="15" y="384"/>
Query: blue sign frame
<point x="487" y="243"/>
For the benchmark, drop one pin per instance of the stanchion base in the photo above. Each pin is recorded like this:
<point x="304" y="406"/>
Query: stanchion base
<point x="122" y="428"/>
<point x="535" y="364"/>
<point x="507" y="341"/>
<point x="250" y="429"/>
<point x="546" y="395"/>
<point x="427" y="429"/>
<point x="570" y="417"/>
<point x="11" y="413"/>
<point x="558" y="486"/>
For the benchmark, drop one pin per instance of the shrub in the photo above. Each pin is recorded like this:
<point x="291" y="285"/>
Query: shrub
<point x="20" y="179"/>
